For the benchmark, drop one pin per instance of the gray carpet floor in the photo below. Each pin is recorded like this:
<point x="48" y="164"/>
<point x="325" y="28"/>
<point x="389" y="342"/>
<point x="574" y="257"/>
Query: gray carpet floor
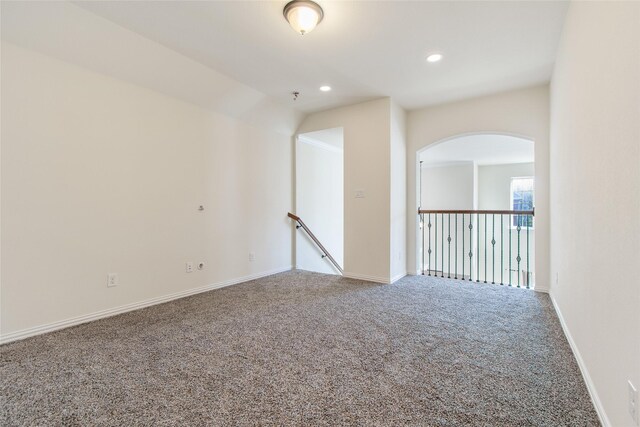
<point x="302" y="348"/>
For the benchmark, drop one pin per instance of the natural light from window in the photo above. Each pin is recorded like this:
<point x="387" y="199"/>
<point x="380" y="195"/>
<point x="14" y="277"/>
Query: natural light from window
<point x="522" y="200"/>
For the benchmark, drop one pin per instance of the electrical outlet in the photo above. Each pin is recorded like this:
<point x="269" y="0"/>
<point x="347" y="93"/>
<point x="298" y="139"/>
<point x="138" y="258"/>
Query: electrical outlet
<point x="112" y="280"/>
<point x="189" y="267"/>
<point x="252" y="256"/>
<point x="633" y="401"/>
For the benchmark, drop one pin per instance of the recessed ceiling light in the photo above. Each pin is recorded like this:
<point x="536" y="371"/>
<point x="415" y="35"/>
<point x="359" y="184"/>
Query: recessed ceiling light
<point x="434" y="57"/>
<point x="325" y="88"/>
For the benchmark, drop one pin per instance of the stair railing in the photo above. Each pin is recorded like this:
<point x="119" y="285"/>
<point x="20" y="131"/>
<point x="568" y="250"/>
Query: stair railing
<point x="325" y="252"/>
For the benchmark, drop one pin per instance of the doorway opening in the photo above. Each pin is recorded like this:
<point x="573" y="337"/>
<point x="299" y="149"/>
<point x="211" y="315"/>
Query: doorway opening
<point x="320" y="200"/>
<point x="476" y="197"/>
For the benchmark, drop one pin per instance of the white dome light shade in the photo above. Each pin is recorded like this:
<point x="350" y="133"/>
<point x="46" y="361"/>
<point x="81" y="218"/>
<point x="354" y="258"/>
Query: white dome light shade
<point x="325" y="88"/>
<point x="434" y="57"/>
<point x="303" y="15"/>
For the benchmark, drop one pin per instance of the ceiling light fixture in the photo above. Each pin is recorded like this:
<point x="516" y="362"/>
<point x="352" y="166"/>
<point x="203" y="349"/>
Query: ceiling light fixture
<point x="325" y="88"/>
<point x="303" y="15"/>
<point x="434" y="57"/>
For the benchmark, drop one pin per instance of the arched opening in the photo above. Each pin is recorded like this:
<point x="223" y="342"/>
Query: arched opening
<point x="476" y="198"/>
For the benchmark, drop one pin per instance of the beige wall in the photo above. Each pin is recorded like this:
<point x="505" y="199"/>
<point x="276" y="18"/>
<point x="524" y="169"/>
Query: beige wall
<point x="101" y="176"/>
<point x="494" y="184"/>
<point x="523" y="113"/>
<point x="595" y="199"/>
<point x="366" y="167"/>
<point x="448" y="186"/>
<point x="66" y="31"/>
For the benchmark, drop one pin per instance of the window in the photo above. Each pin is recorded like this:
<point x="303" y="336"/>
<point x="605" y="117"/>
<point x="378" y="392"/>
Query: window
<point x="522" y="200"/>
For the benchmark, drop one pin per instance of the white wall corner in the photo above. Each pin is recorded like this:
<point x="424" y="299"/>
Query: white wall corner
<point x="397" y="277"/>
<point x="319" y="144"/>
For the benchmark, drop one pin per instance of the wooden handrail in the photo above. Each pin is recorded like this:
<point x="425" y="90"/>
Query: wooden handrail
<point x="316" y="241"/>
<point x="489" y="212"/>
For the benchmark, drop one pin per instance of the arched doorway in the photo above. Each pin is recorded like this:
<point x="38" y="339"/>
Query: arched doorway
<point x="476" y="195"/>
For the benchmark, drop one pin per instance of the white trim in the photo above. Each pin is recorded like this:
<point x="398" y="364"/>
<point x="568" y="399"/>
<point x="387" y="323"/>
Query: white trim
<point x="398" y="277"/>
<point x="583" y="367"/>
<point x="319" y="144"/>
<point x="447" y="164"/>
<point x="50" y="327"/>
<point x="460" y="135"/>
<point x="375" y="279"/>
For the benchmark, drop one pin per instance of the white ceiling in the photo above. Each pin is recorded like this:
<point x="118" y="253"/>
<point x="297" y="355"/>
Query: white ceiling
<point x="481" y="149"/>
<point x="76" y="36"/>
<point x="362" y="49"/>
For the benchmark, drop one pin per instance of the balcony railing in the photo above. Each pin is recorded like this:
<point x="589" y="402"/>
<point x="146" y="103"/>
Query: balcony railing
<point x="489" y="246"/>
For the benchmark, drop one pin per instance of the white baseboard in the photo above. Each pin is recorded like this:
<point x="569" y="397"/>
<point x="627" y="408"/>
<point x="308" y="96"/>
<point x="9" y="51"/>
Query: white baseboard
<point x="398" y="277"/>
<point x="583" y="368"/>
<point x="375" y="279"/>
<point x="50" y="327"/>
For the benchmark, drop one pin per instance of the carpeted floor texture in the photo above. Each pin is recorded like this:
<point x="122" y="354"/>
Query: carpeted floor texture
<point x="302" y="348"/>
